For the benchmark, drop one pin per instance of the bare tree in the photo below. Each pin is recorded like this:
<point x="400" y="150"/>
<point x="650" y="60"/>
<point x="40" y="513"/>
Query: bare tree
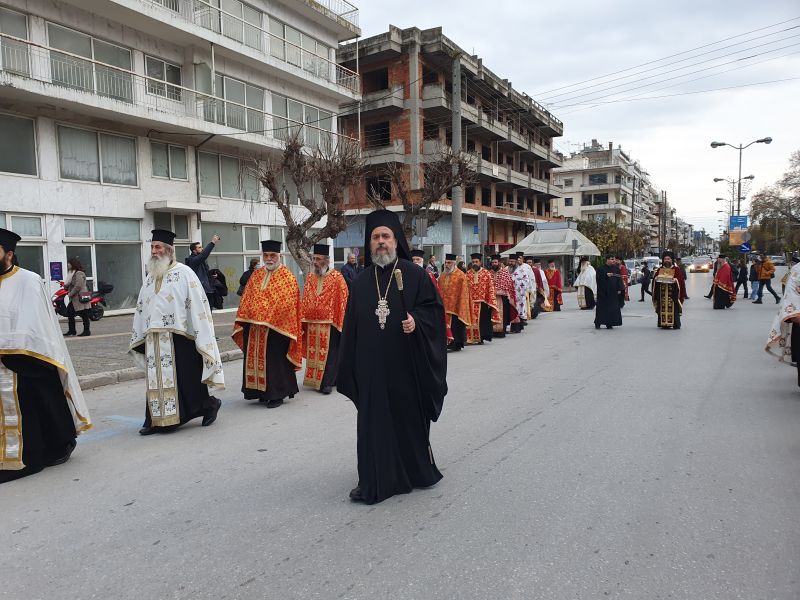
<point x="442" y="171"/>
<point x="329" y="168"/>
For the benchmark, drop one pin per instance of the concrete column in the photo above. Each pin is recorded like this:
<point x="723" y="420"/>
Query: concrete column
<point x="414" y="106"/>
<point x="458" y="192"/>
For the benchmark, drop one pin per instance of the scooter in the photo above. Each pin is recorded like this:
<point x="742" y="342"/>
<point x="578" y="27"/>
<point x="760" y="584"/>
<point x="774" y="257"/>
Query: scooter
<point x="95" y="306"/>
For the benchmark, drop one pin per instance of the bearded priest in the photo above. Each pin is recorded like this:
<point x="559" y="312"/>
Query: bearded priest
<point x="324" y="304"/>
<point x="669" y="292"/>
<point x="506" y="297"/>
<point x="173" y="341"/>
<point x="455" y="294"/>
<point x="393" y="364"/>
<point x="268" y="329"/>
<point x="41" y="405"/>
<point x="484" y="302"/>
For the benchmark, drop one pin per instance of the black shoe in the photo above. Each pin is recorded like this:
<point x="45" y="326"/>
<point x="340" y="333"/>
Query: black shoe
<point x="597" y="326"/>
<point x="70" y="333"/>
<point x="355" y="494"/>
<point x="211" y="414"/>
<point x="65" y="458"/>
<point x="84" y="334"/>
<point x="642" y="300"/>
<point x="777" y="300"/>
<point x="274" y="403"/>
<point x="609" y="327"/>
<point x="148" y="431"/>
<point x="709" y="296"/>
<point x="326" y="390"/>
<point x="757" y="302"/>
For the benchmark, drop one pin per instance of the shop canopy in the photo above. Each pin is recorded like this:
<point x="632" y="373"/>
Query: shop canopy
<point x="554" y="241"/>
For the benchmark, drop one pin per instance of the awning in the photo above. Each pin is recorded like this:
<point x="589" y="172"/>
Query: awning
<point x="554" y="242"/>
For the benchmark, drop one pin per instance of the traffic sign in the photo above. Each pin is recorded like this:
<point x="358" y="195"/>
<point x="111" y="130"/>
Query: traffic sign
<point x="746" y="247"/>
<point x="738" y="222"/>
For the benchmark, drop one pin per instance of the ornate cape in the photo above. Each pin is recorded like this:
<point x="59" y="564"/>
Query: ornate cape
<point x="553" y="277"/>
<point x="524" y="283"/>
<point x="28" y="326"/>
<point x="324" y="305"/>
<point x="482" y="289"/>
<point x="455" y="293"/>
<point x="779" y="341"/>
<point x="504" y="286"/>
<point x="723" y="279"/>
<point x="271" y="300"/>
<point x="588" y="278"/>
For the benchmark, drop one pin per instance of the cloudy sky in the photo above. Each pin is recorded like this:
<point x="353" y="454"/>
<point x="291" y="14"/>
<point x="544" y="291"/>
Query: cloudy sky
<point x="541" y="46"/>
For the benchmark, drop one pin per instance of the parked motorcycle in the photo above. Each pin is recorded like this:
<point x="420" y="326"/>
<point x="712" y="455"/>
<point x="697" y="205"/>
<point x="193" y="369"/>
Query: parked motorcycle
<point x="95" y="306"/>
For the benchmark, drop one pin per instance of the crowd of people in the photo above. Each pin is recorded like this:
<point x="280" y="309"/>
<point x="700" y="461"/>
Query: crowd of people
<point x="379" y="333"/>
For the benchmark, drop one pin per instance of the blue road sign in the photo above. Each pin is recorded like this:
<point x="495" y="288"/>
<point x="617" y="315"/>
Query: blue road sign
<point x="738" y="222"/>
<point x="746" y="247"/>
<point x="475" y="229"/>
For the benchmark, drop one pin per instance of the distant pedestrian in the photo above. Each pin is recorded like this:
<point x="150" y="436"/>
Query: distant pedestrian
<point x="246" y="276"/>
<point x="78" y="295"/>
<point x="682" y="267"/>
<point x="610" y="295"/>
<point x="462" y="266"/>
<point x="765" y="274"/>
<point x="217" y="279"/>
<point x="350" y="270"/>
<point x="741" y="277"/>
<point x="723" y="287"/>
<point x="432" y="266"/>
<point x="753" y="278"/>
<point x="196" y="261"/>
<point x="645" y="283"/>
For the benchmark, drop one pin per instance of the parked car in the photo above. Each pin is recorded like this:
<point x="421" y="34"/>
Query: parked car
<point x="778" y="261"/>
<point x="700" y="265"/>
<point x="634" y="271"/>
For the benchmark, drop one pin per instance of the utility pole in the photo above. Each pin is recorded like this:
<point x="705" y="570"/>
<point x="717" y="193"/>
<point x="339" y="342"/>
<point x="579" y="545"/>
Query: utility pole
<point x="458" y="192"/>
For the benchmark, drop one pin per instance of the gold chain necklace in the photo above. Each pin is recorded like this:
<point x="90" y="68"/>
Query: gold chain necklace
<point x="383" y="304"/>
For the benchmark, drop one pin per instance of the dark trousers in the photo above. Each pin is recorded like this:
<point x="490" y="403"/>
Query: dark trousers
<point x="83" y="314"/>
<point x="645" y="285"/>
<point x="740" y="284"/>
<point x="766" y="283"/>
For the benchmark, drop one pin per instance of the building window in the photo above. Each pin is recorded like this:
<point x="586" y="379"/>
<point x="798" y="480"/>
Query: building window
<point x="379" y="187"/>
<point x="17" y="144"/>
<point x="375" y="81"/>
<point x="78" y="228"/>
<point x="600" y="199"/>
<point x="165" y="73"/>
<point x="586" y="200"/>
<point x="14" y="56"/>
<point x="86" y="155"/>
<point x="244" y="108"/>
<point x="486" y="152"/>
<point x="168" y="161"/>
<point x="237" y="245"/>
<point x="29" y="252"/>
<point x="568" y="182"/>
<point x="598" y="178"/>
<point x="377" y="135"/>
<point x="469" y="195"/>
<point x="430" y="130"/>
<point x="567" y="201"/>
<point x="291" y="116"/>
<point x="69" y="71"/>
<point x="486" y="197"/>
<point x="617" y="178"/>
<point x="227" y="177"/>
<point x="288" y="44"/>
<point x="242" y="23"/>
<point x="499" y="199"/>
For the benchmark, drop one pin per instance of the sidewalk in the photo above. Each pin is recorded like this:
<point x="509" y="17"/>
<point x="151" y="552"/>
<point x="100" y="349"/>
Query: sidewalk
<point x="102" y="358"/>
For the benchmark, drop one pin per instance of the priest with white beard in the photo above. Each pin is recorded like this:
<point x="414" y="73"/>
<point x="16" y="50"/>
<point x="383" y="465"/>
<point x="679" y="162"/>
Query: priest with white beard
<point x="41" y="405"/>
<point x="173" y="340"/>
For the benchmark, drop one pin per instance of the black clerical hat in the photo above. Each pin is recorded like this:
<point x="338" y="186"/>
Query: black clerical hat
<point x="417" y="253"/>
<point x="8" y="240"/>
<point x="164" y="236"/>
<point x="518" y="254"/>
<point x="270" y="246"/>
<point x="667" y="253"/>
<point x="385" y="218"/>
<point x="477" y="255"/>
<point x="495" y="257"/>
<point x="450" y="257"/>
<point x="534" y="259"/>
<point x="322" y="249"/>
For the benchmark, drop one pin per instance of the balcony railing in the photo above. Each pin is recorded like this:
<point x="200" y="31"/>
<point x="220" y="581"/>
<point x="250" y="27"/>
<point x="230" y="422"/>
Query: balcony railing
<point x="340" y="8"/>
<point x="262" y="41"/>
<point x="19" y="57"/>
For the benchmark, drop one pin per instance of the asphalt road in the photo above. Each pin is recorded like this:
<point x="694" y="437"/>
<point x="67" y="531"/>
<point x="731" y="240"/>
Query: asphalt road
<point x="579" y="464"/>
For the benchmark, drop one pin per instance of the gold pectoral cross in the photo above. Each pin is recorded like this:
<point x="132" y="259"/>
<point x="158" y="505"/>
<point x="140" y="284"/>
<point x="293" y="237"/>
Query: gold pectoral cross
<point x="382" y="312"/>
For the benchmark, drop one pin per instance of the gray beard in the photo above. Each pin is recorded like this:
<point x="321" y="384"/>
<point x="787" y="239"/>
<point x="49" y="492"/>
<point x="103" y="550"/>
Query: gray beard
<point x="320" y="272"/>
<point x="271" y="267"/>
<point x="449" y="270"/>
<point x="158" y="266"/>
<point x="384" y="260"/>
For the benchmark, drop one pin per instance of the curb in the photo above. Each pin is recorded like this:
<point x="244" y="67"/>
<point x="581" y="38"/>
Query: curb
<point x="96" y="380"/>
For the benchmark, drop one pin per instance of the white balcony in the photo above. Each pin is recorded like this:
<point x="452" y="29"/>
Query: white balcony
<point x="71" y="81"/>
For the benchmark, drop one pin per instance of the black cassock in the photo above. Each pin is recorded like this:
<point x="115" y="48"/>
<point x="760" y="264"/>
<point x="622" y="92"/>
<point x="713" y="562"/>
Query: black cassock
<point x="459" y="331"/>
<point x="332" y="364"/>
<point x="193" y="396"/>
<point x="47" y="425"/>
<point x="610" y="297"/>
<point x="281" y="378"/>
<point x="397" y="381"/>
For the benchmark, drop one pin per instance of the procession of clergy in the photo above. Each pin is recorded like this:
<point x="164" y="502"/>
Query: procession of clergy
<point x="383" y="343"/>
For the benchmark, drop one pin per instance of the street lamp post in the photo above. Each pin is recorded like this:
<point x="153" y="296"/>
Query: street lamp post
<point x="740" y="148"/>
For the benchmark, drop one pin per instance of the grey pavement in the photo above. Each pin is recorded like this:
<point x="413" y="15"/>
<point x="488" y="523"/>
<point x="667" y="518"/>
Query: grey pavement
<point x="578" y="464"/>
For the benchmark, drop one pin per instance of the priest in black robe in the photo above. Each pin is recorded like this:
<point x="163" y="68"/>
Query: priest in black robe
<point x="41" y="405"/>
<point x="393" y="365"/>
<point x="610" y="296"/>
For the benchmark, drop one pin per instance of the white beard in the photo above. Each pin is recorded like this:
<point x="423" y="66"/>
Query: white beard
<point x="450" y="270"/>
<point x="158" y="266"/>
<point x="383" y="260"/>
<point x="271" y="267"/>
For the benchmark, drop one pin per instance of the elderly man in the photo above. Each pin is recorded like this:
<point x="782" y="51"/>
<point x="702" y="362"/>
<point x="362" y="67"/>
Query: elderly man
<point x="350" y="270"/>
<point x="268" y="329"/>
<point x="41" y="405"/>
<point x="324" y="304"/>
<point x="393" y="365"/>
<point x="457" y="305"/>
<point x="484" y="302"/>
<point x="505" y="295"/>
<point x="173" y="341"/>
<point x="669" y="292"/>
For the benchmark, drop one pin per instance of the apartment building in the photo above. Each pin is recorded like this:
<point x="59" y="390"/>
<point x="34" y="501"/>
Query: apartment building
<point x="406" y="114"/>
<point x="120" y="116"/>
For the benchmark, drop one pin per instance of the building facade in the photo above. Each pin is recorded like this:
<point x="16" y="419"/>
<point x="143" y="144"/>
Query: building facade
<point x="120" y="116"/>
<point x="406" y="116"/>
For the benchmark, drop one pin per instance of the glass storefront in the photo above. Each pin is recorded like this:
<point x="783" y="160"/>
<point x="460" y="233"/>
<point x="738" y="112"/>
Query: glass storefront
<point x="232" y="254"/>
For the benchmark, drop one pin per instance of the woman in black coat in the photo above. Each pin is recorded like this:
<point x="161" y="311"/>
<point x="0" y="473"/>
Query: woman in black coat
<point x="741" y="278"/>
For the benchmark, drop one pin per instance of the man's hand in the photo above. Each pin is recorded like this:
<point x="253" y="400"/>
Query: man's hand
<point x="409" y="325"/>
<point x="215" y="238"/>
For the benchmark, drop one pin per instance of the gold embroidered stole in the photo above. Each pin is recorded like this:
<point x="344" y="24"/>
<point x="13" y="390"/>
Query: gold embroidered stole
<point x="10" y="422"/>
<point x="255" y="375"/>
<point x="162" y="388"/>
<point x="318" y="339"/>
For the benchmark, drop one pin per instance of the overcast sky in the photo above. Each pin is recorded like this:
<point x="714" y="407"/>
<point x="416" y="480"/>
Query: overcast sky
<point x="540" y="46"/>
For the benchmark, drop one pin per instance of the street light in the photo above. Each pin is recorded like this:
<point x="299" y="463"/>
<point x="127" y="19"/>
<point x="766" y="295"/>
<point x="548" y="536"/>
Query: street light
<point x="740" y="148"/>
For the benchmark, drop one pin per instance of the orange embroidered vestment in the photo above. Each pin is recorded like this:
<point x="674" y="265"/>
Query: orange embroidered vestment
<point x="455" y="294"/>
<point x="271" y="301"/>
<point x="481" y="289"/>
<point x="324" y="305"/>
